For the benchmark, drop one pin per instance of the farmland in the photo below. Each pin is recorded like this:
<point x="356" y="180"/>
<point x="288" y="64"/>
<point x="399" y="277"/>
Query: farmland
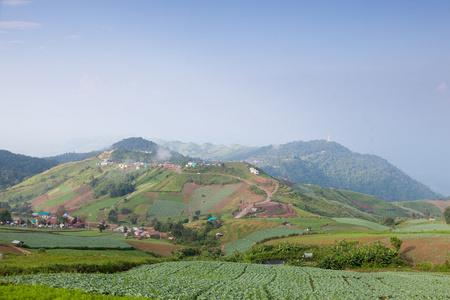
<point x="246" y="242"/>
<point x="220" y="280"/>
<point x="164" y="208"/>
<point x="49" y="241"/>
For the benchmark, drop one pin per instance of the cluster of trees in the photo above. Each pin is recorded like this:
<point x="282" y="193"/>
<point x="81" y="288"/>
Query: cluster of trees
<point x="115" y="184"/>
<point x="447" y="215"/>
<point x="188" y="235"/>
<point x="14" y="168"/>
<point x="333" y="165"/>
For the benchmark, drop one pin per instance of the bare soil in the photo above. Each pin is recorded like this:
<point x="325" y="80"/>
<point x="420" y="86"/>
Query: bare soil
<point x="367" y="207"/>
<point x="161" y="249"/>
<point x="442" y="205"/>
<point x="433" y="249"/>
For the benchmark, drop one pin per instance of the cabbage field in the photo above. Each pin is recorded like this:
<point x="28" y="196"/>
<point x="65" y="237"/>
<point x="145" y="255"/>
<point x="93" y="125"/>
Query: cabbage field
<point x="58" y="241"/>
<point x="221" y="280"/>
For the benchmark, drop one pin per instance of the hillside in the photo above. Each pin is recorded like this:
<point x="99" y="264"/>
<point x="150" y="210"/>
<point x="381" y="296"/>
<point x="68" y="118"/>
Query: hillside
<point x="140" y="191"/>
<point x="14" y="168"/>
<point x="329" y="164"/>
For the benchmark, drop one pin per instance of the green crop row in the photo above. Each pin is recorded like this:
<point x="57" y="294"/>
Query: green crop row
<point x="220" y="280"/>
<point x="55" y="241"/>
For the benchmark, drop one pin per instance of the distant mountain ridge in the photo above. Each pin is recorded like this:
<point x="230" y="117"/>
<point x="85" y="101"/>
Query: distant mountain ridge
<point x="14" y="168"/>
<point x="330" y="164"/>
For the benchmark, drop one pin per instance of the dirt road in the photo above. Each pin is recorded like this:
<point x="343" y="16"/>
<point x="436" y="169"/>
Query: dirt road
<point x="249" y="207"/>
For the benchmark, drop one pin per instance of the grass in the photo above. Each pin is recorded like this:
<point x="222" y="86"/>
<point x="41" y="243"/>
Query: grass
<point x="93" y="210"/>
<point x="363" y="223"/>
<point x="206" y="198"/>
<point x="60" y="199"/>
<point x="163" y="208"/>
<point x="170" y="198"/>
<point x="424" y="227"/>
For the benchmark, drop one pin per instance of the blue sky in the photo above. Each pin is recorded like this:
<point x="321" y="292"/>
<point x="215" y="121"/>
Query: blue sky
<point x="374" y="75"/>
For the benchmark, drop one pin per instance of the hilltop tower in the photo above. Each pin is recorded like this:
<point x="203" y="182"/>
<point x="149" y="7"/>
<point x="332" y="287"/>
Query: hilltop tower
<point x="329" y="138"/>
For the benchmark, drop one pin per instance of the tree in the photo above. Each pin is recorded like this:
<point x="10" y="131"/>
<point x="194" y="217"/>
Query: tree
<point x="101" y="227"/>
<point x="388" y="221"/>
<point x="82" y="218"/>
<point x="113" y="216"/>
<point x="447" y="215"/>
<point x="396" y="242"/>
<point x="60" y="213"/>
<point x="5" y="215"/>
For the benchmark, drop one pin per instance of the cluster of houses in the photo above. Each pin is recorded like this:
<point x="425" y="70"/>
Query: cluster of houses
<point x="42" y="219"/>
<point x="254" y="171"/>
<point x="138" y="233"/>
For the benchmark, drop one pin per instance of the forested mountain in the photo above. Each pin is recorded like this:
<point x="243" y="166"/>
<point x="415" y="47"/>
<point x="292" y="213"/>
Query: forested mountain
<point x="135" y="144"/>
<point x="330" y="164"/>
<point x="72" y="156"/>
<point x="14" y="168"/>
<point x="327" y="164"/>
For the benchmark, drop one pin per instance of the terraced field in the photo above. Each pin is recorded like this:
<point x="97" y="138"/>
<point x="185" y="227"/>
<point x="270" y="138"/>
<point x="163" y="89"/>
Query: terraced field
<point x="53" y="241"/>
<point x="362" y="223"/>
<point x="163" y="208"/>
<point x="219" y="280"/>
<point x="246" y="242"/>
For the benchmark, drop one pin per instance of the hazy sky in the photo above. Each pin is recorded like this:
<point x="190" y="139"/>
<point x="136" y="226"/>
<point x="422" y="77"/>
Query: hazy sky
<point x="375" y="75"/>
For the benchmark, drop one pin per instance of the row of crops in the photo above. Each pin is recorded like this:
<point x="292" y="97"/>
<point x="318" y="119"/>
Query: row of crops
<point x="362" y="223"/>
<point x="53" y="241"/>
<point x="220" y="280"/>
<point x="246" y="242"/>
<point x="164" y="208"/>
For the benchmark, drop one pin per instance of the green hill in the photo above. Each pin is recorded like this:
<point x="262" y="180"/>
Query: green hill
<point x="329" y="164"/>
<point x="14" y="168"/>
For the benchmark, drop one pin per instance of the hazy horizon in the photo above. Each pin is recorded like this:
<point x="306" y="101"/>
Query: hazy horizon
<point x="373" y="75"/>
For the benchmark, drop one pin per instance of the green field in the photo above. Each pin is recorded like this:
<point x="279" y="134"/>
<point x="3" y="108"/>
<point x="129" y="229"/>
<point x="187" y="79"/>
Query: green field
<point x="304" y="223"/>
<point x="49" y="241"/>
<point x="362" y="223"/>
<point x="206" y="198"/>
<point x="220" y="280"/>
<point x="246" y="242"/>
<point x="99" y="210"/>
<point x="60" y="199"/>
<point x="424" y="227"/>
<point x="170" y="198"/>
<point x="163" y="208"/>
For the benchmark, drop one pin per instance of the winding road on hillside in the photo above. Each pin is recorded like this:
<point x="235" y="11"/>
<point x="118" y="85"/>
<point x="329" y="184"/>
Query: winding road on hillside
<point x="250" y="206"/>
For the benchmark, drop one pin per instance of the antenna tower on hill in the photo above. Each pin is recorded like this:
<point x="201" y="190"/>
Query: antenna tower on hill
<point x="329" y="138"/>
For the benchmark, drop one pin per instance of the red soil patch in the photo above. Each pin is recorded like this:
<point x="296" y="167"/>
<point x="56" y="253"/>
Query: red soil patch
<point x="271" y="206"/>
<point x="83" y="198"/>
<point x="4" y="249"/>
<point x="82" y="189"/>
<point x="40" y="200"/>
<point x="367" y="207"/>
<point x="440" y="204"/>
<point x="433" y="249"/>
<point x="161" y="249"/>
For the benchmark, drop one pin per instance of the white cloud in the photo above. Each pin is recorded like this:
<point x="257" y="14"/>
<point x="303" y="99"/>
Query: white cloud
<point x="441" y="88"/>
<point x="15" y="2"/>
<point x="73" y="36"/>
<point x="16" y="42"/>
<point x="19" y="25"/>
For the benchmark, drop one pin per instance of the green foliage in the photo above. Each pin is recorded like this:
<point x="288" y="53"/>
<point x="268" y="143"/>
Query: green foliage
<point x="5" y="215"/>
<point x="116" y="184"/>
<point x="352" y="255"/>
<point x="447" y="215"/>
<point x="17" y="292"/>
<point x="396" y="242"/>
<point x="222" y="280"/>
<point x="329" y="164"/>
<point x="420" y="207"/>
<point x="257" y="190"/>
<point x="14" y="168"/>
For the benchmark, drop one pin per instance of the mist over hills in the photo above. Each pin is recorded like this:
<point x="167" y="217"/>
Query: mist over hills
<point x="327" y="164"/>
<point x="318" y="162"/>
